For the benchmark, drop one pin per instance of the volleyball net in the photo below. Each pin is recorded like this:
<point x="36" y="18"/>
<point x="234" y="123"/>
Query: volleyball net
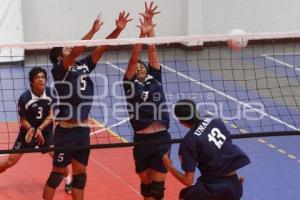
<point x="254" y="90"/>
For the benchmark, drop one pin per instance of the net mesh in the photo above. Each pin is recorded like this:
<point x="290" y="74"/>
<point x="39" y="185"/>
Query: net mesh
<point x="255" y="90"/>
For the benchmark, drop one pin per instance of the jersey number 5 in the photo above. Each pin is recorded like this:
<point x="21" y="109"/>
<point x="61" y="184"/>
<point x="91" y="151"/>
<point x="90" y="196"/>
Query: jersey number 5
<point x="216" y="137"/>
<point x="82" y="82"/>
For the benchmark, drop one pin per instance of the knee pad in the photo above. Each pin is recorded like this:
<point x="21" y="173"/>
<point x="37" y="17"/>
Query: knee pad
<point x="157" y="190"/>
<point x="79" y="181"/>
<point x="54" y="179"/>
<point x="145" y="189"/>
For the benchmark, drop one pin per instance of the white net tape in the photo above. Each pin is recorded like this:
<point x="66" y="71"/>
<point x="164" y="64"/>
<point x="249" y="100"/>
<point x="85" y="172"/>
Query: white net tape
<point x="157" y="40"/>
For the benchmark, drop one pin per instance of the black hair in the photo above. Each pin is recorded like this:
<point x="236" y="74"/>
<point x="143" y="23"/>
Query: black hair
<point x="186" y="111"/>
<point x="34" y="72"/>
<point x="144" y="64"/>
<point x="55" y="52"/>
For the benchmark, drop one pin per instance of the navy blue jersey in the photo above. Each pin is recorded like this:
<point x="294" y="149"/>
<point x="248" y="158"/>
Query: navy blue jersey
<point x="209" y="147"/>
<point x="146" y="101"/>
<point x="35" y="109"/>
<point x="75" y="89"/>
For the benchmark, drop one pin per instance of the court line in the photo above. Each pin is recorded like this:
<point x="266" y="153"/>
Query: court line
<point x="114" y="175"/>
<point x="220" y="93"/>
<point x="225" y="95"/>
<point x="281" y="62"/>
<point x="108" y="129"/>
<point x="231" y="98"/>
<point x="263" y="141"/>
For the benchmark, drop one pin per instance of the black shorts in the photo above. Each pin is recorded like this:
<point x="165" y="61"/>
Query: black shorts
<point x="66" y="137"/>
<point x="226" y="188"/>
<point x="20" y="142"/>
<point x="149" y="156"/>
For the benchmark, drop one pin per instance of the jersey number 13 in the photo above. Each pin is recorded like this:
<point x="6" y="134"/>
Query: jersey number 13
<point x="216" y="137"/>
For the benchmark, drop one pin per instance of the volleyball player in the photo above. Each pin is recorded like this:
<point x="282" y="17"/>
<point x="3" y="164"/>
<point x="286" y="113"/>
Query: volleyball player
<point x="36" y="120"/>
<point x="75" y="91"/>
<point x="148" y="113"/>
<point x="207" y="146"/>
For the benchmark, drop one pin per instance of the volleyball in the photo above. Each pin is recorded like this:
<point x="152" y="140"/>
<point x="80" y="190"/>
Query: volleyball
<point x="237" y="40"/>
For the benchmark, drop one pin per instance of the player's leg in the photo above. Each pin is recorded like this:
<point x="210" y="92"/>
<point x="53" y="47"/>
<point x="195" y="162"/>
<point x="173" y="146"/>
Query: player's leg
<point x="157" y="184"/>
<point x="142" y="162"/>
<point x="199" y="191"/>
<point x="54" y="180"/>
<point x="80" y="160"/>
<point x="188" y="193"/>
<point x="61" y="159"/>
<point x="60" y="162"/>
<point x="234" y="188"/>
<point x="49" y="142"/>
<point x="145" y="185"/>
<point x="79" y="180"/>
<point x="158" y="171"/>
<point x="10" y="161"/>
<point x="67" y="176"/>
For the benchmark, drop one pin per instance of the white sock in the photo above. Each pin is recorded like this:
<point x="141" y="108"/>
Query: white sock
<point x="68" y="179"/>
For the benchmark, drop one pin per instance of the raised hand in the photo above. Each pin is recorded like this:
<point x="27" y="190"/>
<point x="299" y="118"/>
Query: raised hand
<point x="122" y="21"/>
<point x="149" y="12"/>
<point x="97" y="24"/>
<point x="145" y="27"/>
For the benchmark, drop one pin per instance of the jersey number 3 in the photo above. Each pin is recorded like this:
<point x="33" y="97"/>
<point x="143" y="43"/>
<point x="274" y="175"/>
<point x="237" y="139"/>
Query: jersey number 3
<point x="216" y="137"/>
<point x="40" y="113"/>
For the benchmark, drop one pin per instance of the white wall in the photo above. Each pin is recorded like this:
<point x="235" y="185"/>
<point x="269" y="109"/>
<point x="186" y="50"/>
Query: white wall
<point x="11" y="30"/>
<point x="49" y="20"/>
<point x="251" y="15"/>
<point x="70" y="19"/>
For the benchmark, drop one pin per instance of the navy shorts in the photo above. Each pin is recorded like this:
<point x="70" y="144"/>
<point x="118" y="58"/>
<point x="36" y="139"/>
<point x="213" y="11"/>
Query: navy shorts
<point x="149" y="156"/>
<point x="226" y="188"/>
<point x="66" y="137"/>
<point x="20" y="142"/>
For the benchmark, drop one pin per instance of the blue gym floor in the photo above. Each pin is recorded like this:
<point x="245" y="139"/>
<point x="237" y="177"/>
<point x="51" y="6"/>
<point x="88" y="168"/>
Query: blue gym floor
<point x="274" y="172"/>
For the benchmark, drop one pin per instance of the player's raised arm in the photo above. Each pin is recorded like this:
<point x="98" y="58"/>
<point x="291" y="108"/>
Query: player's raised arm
<point x="135" y="55"/>
<point x="121" y="23"/>
<point x="148" y="14"/>
<point x="74" y="52"/>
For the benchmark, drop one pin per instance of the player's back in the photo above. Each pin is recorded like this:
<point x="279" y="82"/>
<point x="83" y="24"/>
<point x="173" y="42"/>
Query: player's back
<point x="216" y="154"/>
<point x="75" y="89"/>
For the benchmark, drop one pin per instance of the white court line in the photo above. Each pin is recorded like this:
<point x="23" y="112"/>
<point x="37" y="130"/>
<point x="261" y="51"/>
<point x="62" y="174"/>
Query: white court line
<point x="281" y="62"/>
<point x="108" y="128"/>
<point x="115" y="175"/>
<point x="220" y="93"/>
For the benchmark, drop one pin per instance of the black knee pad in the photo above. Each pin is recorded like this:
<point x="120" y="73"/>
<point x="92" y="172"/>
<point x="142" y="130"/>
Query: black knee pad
<point x="184" y="192"/>
<point x="145" y="189"/>
<point x="55" y="179"/>
<point x="79" y="181"/>
<point x="157" y="190"/>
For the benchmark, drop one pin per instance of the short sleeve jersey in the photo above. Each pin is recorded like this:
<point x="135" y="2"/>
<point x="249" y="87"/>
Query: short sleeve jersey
<point x="75" y="89"/>
<point x="146" y="101"/>
<point x="35" y="109"/>
<point x="210" y="147"/>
